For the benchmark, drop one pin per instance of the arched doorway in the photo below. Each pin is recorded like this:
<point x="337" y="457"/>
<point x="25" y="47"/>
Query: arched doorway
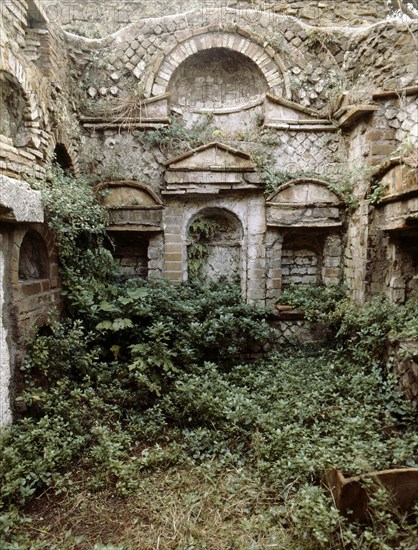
<point x="63" y="159"/>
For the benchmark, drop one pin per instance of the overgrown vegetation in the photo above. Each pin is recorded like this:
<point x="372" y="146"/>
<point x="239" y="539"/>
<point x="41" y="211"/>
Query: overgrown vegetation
<point x="178" y="138"/>
<point x="165" y="417"/>
<point x="338" y="177"/>
<point x="201" y="232"/>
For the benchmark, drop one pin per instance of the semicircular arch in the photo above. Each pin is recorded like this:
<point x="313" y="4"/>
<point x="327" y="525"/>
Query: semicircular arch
<point x="217" y="213"/>
<point x="269" y="62"/>
<point x="305" y="191"/>
<point x="11" y="65"/>
<point x="65" y="153"/>
<point x="128" y="193"/>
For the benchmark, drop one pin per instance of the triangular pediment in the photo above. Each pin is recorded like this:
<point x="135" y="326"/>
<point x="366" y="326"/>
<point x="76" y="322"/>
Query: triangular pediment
<point x="212" y="157"/>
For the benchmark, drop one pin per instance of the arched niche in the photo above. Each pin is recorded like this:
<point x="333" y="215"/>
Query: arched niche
<point x="13" y="110"/>
<point x="33" y="258"/>
<point x="234" y="39"/>
<point x="214" y="245"/>
<point x="305" y="220"/>
<point x="302" y="259"/>
<point x="63" y="158"/>
<point x="216" y="78"/>
<point x="135" y="228"/>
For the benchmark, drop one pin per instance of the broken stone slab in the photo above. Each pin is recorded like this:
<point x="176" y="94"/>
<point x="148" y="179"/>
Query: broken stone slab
<point x="18" y="202"/>
<point x="351" y="496"/>
<point x="355" y="113"/>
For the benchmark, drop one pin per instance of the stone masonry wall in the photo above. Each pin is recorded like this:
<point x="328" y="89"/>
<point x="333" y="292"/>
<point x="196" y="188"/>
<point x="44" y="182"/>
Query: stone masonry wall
<point x="95" y="19"/>
<point x="321" y="62"/>
<point x="405" y="355"/>
<point x="33" y="70"/>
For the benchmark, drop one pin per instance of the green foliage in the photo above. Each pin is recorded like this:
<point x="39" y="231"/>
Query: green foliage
<point x="364" y="332"/>
<point x="145" y="376"/>
<point x="176" y="138"/>
<point x="185" y="373"/>
<point x="79" y="224"/>
<point x="338" y="177"/>
<point x="201" y="232"/>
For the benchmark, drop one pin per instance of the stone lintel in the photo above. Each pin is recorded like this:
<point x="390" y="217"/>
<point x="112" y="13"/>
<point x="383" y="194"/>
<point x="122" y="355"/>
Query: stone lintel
<point x="312" y="126"/>
<point x="320" y="224"/>
<point x="19" y="203"/>
<point x="132" y="228"/>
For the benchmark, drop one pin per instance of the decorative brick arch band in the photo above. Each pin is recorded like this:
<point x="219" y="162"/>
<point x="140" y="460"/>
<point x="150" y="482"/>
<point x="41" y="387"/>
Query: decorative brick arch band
<point x="266" y="59"/>
<point x="11" y="65"/>
<point x="60" y="137"/>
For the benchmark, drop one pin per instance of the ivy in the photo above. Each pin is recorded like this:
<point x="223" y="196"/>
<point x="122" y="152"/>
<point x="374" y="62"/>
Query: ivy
<point x="79" y="224"/>
<point x="201" y="232"/>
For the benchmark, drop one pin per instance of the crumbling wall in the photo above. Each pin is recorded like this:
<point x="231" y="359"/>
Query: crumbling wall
<point x="96" y="19"/>
<point x="35" y="77"/>
<point x="34" y="117"/>
<point x="19" y="205"/>
<point x="405" y="355"/>
<point x="289" y="90"/>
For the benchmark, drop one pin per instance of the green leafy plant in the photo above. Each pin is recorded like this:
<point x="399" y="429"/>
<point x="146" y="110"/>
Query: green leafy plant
<point x="201" y="232"/>
<point x="146" y="377"/>
<point x="177" y="138"/>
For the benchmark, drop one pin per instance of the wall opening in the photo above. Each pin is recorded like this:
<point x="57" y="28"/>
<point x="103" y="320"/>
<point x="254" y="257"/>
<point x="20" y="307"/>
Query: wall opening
<point x="216" y="78"/>
<point x="130" y="250"/>
<point x="404" y="269"/>
<point x="63" y="159"/>
<point x="301" y="262"/>
<point x="214" y="246"/>
<point x="33" y="258"/>
<point x="34" y="17"/>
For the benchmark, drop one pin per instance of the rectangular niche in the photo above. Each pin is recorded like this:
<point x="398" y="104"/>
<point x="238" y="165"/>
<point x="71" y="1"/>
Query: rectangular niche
<point x="131" y="252"/>
<point x="300" y="266"/>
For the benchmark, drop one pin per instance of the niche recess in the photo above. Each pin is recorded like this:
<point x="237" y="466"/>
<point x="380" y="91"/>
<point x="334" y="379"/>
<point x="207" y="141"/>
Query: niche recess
<point x="301" y="260"/>
<point x="63" y="159"/>
<point x="216" y="78"/>
<point x="33" y="258"/>
<point x="135" y="215"/>
<point x="214" y="245"/>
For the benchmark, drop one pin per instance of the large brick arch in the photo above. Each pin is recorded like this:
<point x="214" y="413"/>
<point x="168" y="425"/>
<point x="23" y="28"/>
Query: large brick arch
<point x="238" y="40"/>
<point x="11" y="65"/>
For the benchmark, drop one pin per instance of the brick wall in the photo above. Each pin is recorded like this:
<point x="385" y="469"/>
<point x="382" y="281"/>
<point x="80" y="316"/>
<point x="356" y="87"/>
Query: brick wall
<point x="34" y="294"/>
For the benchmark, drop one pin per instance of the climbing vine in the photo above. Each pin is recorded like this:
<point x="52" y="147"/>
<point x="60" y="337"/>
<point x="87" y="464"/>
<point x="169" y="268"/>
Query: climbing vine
<point x="201" y="232"/>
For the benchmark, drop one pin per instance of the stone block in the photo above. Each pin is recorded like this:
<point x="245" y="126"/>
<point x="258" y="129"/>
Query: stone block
<point x="174" y="276"/>
<point x="175" y="257"/>
<point x="173" y="248"/>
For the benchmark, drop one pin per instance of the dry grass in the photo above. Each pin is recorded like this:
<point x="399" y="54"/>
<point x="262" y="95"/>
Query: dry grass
<point x="175" y="509"/>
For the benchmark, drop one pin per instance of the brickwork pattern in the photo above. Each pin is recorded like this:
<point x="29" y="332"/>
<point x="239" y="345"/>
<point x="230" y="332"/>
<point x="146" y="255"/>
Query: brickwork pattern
<point x="34" y="298"/>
